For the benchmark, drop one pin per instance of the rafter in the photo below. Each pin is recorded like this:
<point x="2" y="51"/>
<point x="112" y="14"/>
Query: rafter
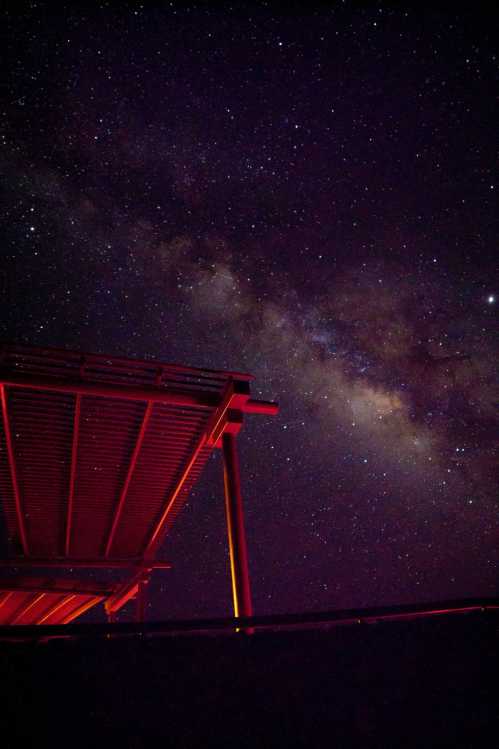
<point x="8" y="594"/>
<point x="56" y="607"/>
<point x="123" y="392"/>
<point x="131" y="468"/>
<point x="177" y="397"/>
<point x="68" y="563"/>
<point x="27" y="608"/>
<point x="13" y="471"/>
<point x="72" y="475"/>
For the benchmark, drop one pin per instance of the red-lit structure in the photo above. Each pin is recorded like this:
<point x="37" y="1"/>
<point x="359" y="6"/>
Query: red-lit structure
<point x="97" y="457"/>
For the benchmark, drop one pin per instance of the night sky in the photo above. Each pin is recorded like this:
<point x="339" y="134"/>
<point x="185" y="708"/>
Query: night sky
<point x="309" y="196"/>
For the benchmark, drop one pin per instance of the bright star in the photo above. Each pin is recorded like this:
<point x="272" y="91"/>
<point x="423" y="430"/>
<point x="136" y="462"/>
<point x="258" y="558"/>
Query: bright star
<point x="491" y="299"/>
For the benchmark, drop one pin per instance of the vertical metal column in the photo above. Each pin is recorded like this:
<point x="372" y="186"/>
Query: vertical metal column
<point x="241" y="591"/>
<point x="140" y="612"/>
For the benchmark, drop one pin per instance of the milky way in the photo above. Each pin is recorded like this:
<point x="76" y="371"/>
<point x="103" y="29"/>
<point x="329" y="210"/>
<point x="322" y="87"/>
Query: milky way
<point x="311" y="198"/>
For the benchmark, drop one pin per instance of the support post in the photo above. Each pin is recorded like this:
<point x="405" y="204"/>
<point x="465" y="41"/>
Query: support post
<point x="241" y="591"/>
<point x="141" y="601"/>
<point x="111" y="619"/>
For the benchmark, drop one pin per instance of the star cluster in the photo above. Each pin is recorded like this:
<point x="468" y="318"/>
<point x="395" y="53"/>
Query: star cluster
<point x="307" y="195"/>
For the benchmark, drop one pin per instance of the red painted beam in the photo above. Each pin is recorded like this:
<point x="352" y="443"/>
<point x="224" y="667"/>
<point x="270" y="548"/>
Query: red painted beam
<point x="27" y="608"/>
<point x="37" y="562"/>
<point x="105" y="390"/>
<point x="261" y="407"/>
<point x="51" y="353"/>
<point x="13" y="471"/>
<point x="157" y="394"/>
<point x="131" y="468"/>
<point x="72" y="477"/>
<point x="83" y="588"/>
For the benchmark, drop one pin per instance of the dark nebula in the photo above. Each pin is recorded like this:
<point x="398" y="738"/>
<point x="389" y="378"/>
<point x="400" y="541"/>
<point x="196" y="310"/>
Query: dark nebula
<point x="310" y="196"/>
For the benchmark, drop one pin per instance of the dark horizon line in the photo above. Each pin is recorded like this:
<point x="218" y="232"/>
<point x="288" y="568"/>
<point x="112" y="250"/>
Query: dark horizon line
<point x="232" y="624"/>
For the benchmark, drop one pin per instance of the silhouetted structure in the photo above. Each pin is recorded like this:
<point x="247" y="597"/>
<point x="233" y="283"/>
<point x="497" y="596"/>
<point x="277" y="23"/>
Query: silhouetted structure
<point x="97" y="457"/>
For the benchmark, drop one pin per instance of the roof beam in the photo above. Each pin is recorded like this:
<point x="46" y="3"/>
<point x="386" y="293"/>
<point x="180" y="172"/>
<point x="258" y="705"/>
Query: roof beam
<point x="126" y="485"/>
<point x="27" y="608"/>
<point x="13" y="471"/>
<point x="67" y="563"/>
<point x="53" y="354"/>
<point x="72" y="476"/>
<point x="187" y="398"/>
<point x="179" y="397"/>
<point x="83" y="589"/>
<point x="268" y="408"/>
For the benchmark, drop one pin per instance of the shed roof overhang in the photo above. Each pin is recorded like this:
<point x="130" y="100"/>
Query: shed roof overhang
<point x="97" y="457"/>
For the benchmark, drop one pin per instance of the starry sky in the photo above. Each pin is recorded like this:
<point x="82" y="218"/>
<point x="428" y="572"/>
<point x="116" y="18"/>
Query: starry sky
<point x="307" y="195"/>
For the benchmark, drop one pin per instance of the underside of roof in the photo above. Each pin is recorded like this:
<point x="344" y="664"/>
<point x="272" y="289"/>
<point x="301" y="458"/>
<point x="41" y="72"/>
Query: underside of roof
<point x="47" y="601"/>
<point x="97" y="457"/>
